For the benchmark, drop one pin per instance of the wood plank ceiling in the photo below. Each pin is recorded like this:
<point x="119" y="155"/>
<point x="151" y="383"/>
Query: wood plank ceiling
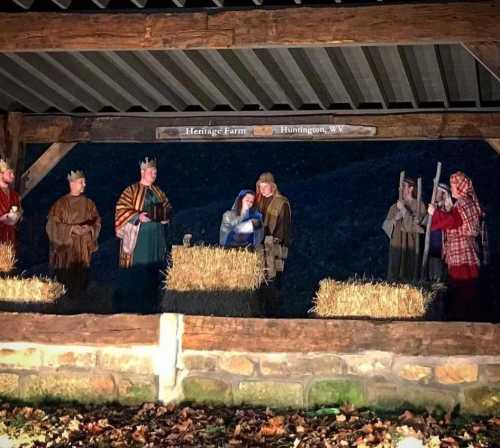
<point x="352" y="79"/>
<point x="164" y="4"/>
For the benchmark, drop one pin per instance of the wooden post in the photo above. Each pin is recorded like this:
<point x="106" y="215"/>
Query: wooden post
<point x="14" y="147"/>
<point x="3" y="142"/>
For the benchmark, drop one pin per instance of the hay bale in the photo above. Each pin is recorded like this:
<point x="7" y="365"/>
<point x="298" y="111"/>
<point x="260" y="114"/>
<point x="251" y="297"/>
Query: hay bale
<point x="374" y="299"/>
<point x="29" y="294"/>
<point x="7" y="257"/>
<point x="209" y="280"/>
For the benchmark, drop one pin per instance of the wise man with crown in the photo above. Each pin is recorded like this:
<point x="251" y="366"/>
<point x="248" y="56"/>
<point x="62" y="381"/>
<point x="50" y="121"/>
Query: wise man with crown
<point x="73" y="228"/>
<point x="10" y="204"/>
<point x="141" y="213"/>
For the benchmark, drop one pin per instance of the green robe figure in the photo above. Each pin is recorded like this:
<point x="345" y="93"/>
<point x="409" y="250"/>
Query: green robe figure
<point x="142" y="211"/>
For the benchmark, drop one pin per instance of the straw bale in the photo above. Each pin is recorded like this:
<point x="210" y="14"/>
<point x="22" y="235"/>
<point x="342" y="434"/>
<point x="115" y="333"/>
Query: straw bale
<point x="213" y="281"/>
<point x="206" y="268"/>
<point x="7" y="257"/>
<point x="30" y="290"/>
<point x="374" y="299"/>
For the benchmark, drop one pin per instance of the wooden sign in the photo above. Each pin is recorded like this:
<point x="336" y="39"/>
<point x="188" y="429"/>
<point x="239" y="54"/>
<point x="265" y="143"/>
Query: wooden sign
<point x="271" y="132"/>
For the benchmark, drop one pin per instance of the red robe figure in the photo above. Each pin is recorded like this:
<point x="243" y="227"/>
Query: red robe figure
<point x="461" y="251"/>
<point x="10" y="204"/>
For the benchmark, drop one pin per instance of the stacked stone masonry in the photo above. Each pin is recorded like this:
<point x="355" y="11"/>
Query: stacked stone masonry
<point x="277" y="363"/>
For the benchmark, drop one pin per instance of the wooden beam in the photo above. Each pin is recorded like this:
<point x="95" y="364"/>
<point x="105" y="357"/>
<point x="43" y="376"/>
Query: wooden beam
<point x="48" y="160"/>
<point x="412" y="126"/>
<point x="84" y="329"/>
<point x="14" y="147"/>
<point x="494" y="143"/>
<point x="3" y="142"/>
<point x="469" y="21"/>
<point x="487" y="54"/>
<point x="341" y="336"/>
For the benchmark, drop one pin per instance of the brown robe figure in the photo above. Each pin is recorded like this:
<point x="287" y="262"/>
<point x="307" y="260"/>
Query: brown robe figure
<point x="276" y="211"/>
<point x="73" y="228"/>
<point x="277" y="215"/>
<point x="402" y="225"/>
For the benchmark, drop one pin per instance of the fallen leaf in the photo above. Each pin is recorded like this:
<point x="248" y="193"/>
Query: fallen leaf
<point x="407" y="416"/>
<point x="273" y="428"/>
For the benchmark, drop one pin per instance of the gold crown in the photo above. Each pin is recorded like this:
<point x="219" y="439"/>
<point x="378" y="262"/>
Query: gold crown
<point x="4" y="166"/>
<point x="146" y="163"/>
<point x="75" y="175"/>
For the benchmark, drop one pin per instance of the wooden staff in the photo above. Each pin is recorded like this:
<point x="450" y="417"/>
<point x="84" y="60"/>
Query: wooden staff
<point x="429" y="223"/>
<point x="417" y="238"/>
<point x="401" y="182"/>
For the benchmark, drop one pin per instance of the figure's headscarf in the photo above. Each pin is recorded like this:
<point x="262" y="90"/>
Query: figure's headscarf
<point x="410" y="181"/>
<point x="265" y="178"/>
<point x="240" y="196"/>
<point x="465" y="189"/>
<point x="448" y="202"/>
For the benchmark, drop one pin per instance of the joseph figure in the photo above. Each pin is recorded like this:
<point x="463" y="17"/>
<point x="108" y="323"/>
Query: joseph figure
<point x="73" y="228"/>
<point x="402" y="224"/>
<point x="277" y="215"/>
<point x="142" y="211"/>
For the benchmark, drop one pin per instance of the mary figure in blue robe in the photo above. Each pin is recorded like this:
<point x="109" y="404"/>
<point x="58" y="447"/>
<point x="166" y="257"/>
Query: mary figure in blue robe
<point x="242" y="225"/>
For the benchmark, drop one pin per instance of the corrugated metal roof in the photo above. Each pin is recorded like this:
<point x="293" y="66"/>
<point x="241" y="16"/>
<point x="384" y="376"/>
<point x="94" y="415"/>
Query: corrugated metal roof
<point x="93" y="5"/>
<point x="353" y="79"/>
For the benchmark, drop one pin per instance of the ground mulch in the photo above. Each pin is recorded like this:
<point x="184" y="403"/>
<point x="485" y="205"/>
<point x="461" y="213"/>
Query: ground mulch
<point x="156" y="425"/>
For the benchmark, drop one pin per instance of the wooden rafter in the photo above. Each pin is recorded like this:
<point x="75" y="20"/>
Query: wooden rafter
<point x="495" y="144"/>
<point x="487" y="54"/>
<point x="26" y="4"/>
<point x="414" y="126"/>
<point x="48" y="160"/>
<point x="472" y="21"/>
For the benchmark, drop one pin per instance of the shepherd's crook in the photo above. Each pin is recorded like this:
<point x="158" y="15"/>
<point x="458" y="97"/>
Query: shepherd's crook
<point x="429" y="222"/>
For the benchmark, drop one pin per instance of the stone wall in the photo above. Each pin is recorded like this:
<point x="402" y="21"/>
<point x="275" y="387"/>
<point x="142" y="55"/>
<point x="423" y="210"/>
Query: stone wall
<point x="279" y="363"/>
<point x="86" y="358"/>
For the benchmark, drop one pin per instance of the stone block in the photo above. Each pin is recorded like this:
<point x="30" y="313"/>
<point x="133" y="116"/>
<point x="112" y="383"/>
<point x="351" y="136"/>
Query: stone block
<point x="269" y="393"/>
<point x="134" y="389"/>
<point x="492" y="373"/>
<point x="339" y="391"/>
<point x="278" y="368"/>
<point x="415" y="372"/>
<point x="326" y="365"/>
<point x="68" y="385"/>
<point x="199" y="362"/>
<point x="293" y="366"/>
<point x="131" y="360"/>
<point x="482" y="400"/>
<point x="456" y="372"/>
<point x="25" y="358"/>
<point x="206" y="390"/>
<point x="57" y="357"/>
<point x="368" y="364"/>
<point x="390" y="396"/>
<point x="9" y="385"/>
<point x="237" y="365"/>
